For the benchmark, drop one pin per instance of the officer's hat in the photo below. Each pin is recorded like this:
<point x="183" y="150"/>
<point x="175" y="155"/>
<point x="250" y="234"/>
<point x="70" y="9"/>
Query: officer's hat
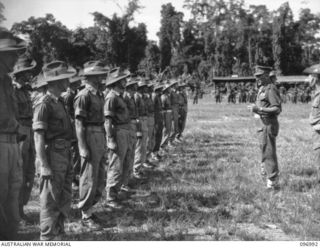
<point x="260" y="70"/>
<point x="23" y="64"/>
<point x="116" y="75"/>
<point x="9" y="42"/>
<point x="56" y="70"/>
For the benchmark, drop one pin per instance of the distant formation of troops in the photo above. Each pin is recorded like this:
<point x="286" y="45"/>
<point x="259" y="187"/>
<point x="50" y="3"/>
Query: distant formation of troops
<point x="95" y="131"/>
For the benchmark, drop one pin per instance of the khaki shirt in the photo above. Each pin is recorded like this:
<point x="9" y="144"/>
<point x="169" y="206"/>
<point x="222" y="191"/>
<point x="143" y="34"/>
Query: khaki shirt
<point x="89" y="104"/>
<point x="8" y="107"/>
<point x="141" y="105"/>
<point x="131" y="105"/>
<point x="116" y="108"/>
<point x="150" y="105"/>
<point x="68" y="99"/>
<point x="51" y="116"/>
<point x="174" y="99"/>
<point x="23" y="97"/>
<point x="166" y="102"/>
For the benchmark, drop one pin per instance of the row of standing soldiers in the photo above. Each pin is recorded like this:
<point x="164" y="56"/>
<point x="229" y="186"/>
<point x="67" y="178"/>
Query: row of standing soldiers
<point x="69" y="125"/>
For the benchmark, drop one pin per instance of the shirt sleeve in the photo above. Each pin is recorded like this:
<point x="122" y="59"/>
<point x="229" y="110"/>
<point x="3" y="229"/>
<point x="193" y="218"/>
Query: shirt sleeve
<point x="40" y="117"/>
<point x="274" y="97"/>
<point x="110" y="107"/>
<point x="80" y="106"/>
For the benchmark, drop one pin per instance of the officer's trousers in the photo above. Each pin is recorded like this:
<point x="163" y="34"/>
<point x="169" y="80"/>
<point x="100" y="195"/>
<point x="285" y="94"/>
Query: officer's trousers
<point x="167" y="121"/>
<point x="119" y="162"/>
<point x="141" y="146"/>
<point x="10" y="184"/>
<point x="158" y="128"/>
<point x="28" y="164"/>
<point x="56" y="193"/>
<point x="268" y="135"/>
<point x="92" y="172"/>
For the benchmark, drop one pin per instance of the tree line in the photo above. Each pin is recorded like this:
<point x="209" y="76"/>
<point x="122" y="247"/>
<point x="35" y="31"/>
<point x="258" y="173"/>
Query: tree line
<point x="220" y="39"/>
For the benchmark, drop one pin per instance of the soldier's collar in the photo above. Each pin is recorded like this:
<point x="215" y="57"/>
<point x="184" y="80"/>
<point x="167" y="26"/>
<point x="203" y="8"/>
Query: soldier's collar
<point x="91" y="89"/>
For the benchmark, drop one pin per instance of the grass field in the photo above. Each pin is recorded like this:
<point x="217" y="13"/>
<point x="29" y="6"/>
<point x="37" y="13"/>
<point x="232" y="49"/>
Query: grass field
<point x="210" y="188"/>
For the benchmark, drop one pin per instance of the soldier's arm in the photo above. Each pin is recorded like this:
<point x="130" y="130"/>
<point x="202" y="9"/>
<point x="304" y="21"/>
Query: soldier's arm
<point x="275" y="102"/>
<point x="80" y="108"/>
<point x="109" y="113"/>
<point x="41" y="153"/>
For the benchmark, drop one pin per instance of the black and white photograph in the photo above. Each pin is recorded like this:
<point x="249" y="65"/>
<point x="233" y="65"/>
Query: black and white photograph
<point x="141" y="120"/>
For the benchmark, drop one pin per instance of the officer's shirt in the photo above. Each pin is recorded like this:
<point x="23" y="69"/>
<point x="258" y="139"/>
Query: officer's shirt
<point x="51" y="116"/>
<point x="88" y="104"/>
<point x="131" y="105"/>
<point x="268" y="96"/>
<point x="24" y="104"/>
<point x="141" y="105"/>
<point x="116" y="108"/>
<point x="8" y="107"/>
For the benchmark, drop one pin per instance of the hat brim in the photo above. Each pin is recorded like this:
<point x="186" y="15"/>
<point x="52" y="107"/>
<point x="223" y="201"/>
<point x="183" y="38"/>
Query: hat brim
<point x="95" y="73"/>
<point x="25" y="69"/>
<point x="258" y="74"/>
<point x="114" y="80"/>
<point x="130" y="84"/>
<point x="66" y="75"/>
<point x="75" y="80"/>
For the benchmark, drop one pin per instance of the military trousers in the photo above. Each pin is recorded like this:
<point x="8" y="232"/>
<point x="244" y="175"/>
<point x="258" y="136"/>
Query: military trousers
<point x="182" y="120"/>
<point x="56" y="192"/>
<point x="158" y="128"/>
<point x="127" y="172"/>
<point x="150" y="139"/>
<point x="27" y="151"/>
<point x="76" y="160"/>
<point x="141" y="146"/>
<point x="92" y="170"/>
<point x="268" y="135"/>
<point x="10" y="184"/>
<point x="119" y="163"/>
<point x="167" y="124"/>
<point x="175" y="123"/>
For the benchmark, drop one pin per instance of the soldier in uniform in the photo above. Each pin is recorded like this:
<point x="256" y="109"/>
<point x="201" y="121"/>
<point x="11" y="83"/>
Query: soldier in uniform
<point x="117" y="125"/>
<point x="21" y="76"/>
<point x="183" y="109"/>
<point x="167" y="117"/>
<point x="89" y="121"/>
<point x="10" y="166"/>
<point x="53" y="134"/>
<point x="141" y="146"/>
<point x="158" y="121"/>
<point x="68" y="99"/>
<point x="135" y="130"/>
<point x="175" y="112"/>
<point x="268" y="107"/>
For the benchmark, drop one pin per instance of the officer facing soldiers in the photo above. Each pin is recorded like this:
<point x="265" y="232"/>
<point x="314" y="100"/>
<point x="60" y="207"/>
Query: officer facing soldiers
<point x="268" y="107"/>
<point x="21" y="75"/>
<point x="10" y="166"/>
<point x="52" y="134"/>
<point x="131" y="88"/>
<point x="117" y="126"/>
<point x="141" y="146"/>
<point x="89" y="121"/>
<point x="68" y="99"/>
<point x="158" y="121"/>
